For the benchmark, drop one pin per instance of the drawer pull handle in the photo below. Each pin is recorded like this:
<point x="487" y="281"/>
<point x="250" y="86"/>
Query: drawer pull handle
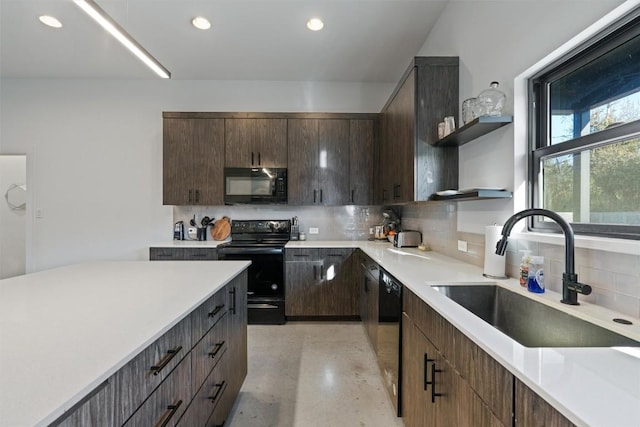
<point x="301" y="255"/>
<point x="165" y="360"/>
<point x="215" y="352"/>
<point x="433" y="383"/>
<point x="220" y="387"/>
<point x="172" y="411"/>
<point x="216" y="310"/>
<point x="233" y="300"/>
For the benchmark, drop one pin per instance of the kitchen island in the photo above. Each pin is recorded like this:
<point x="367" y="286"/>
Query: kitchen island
<point x="66" y="332"/>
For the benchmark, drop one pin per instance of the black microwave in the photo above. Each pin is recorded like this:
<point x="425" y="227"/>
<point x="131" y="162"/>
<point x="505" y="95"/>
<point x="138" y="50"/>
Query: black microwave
<point x="255" y="185"/>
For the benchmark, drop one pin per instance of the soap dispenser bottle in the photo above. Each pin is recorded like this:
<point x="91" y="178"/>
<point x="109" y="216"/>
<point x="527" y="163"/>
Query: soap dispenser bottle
<point x="536" y="275"/>
<point x="523" y="275"/>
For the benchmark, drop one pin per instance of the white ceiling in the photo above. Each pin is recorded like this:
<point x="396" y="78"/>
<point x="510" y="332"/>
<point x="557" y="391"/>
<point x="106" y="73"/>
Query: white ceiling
<point x="362" y="41"/>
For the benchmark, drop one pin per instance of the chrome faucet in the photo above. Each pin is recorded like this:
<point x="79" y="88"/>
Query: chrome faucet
<point x="570" y="285"/>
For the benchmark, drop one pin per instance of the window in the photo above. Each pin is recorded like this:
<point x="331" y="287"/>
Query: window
<point x="585" y="135"/>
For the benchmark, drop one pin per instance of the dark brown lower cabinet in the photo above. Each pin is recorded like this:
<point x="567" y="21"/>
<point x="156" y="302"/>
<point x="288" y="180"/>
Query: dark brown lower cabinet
<point x="447" y="379"/>
<point x="190" y="376"/>
<point x="534" y="411"/>
<point x="320" y="282"/>
<point x="182" y="254"/>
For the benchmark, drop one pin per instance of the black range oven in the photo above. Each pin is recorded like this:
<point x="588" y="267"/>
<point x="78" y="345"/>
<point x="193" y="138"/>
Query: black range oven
<point x="261" y="242"/>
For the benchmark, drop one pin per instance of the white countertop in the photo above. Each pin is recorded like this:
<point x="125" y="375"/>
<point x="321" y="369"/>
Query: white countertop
<point x="64" y="331"/>
<point x="590" y="386"/>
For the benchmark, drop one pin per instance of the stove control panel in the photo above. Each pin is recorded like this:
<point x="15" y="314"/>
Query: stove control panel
<point x="261" y="226"/>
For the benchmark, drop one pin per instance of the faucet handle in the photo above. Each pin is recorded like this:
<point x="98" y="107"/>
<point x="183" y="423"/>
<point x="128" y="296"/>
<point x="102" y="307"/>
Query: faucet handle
<point x="572" y="284"/>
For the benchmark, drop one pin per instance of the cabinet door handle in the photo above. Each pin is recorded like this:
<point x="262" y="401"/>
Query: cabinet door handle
<point x="172" y="411"/>
<point x="433" y="383"/>
<point x="352" y="197"/>
<point x="259" y="158"/>
<point x="396" y="191"/>
<point x="197" y="196"/>
<point x="233" y="300"/>
<point x="322" y="272"/>
<point x="384" y="194"/>
<point x="301" y="255"/>
<point x="314" y="196"/>
<point x="315" y="272"/>
<point x="190" y="196"/>
<point x="252" y="158"/>
<point x="216" y="310"/>
<point x="321" y="195"/>
<point x="215" y="352"/>
<point x="424" y="372"/>
<point x="165" y="360"/>
<point x="220" y="387"/>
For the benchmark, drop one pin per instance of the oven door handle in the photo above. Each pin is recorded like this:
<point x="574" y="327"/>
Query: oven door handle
<point x="249" y="251"/>
<point x="261" y="306"/>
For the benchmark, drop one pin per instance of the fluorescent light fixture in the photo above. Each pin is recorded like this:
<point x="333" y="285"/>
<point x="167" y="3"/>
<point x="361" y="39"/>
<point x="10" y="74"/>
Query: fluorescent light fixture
<point x="50" y="21"/>
<point x="106" y="22"/>
<point x="315" y="24"/>
<point x="201" y="23"/>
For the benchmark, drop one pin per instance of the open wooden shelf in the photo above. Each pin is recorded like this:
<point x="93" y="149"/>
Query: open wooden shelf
<point x="474" y="129"/>
<point x="475" y="194"/>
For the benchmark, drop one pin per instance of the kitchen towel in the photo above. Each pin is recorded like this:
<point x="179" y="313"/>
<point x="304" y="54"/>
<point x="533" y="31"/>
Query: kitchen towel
<point x="494" y="265"/>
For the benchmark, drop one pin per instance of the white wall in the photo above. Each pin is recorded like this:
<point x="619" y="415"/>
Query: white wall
<point x="498" y="40"/>
<point x="95" y="152"/>
<point x="13" y="171"/>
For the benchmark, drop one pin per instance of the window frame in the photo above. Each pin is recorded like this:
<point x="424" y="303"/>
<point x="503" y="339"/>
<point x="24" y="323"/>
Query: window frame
<point x="538" y="123"/>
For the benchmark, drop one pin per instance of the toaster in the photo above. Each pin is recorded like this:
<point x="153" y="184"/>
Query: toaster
<point x="406" y="239"/>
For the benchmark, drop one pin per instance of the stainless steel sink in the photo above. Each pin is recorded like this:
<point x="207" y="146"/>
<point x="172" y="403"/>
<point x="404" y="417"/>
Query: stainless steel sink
<point x="529" y="322"/>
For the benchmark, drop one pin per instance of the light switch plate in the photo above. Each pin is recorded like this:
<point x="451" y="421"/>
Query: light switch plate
<point x="314" y="230"/>
<point x="462" y="245"/>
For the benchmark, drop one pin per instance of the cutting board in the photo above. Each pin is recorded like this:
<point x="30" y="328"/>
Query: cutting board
<point x="221" y="228"/>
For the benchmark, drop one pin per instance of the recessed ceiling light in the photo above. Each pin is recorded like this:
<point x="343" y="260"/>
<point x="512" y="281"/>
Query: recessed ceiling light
<point x="201" y="23"/>
<point x="315" y="24"/>
<point x="50" y="21"/>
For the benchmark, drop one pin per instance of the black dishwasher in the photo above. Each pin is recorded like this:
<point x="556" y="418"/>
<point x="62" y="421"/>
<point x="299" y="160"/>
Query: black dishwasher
<point x="389" y="331"/>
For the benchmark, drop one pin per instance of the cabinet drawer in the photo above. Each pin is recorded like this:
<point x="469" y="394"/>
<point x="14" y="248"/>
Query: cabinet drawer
<point x="168" y="402"/>
<point x="208" y="398"/>
<point x="98" y="410"/>
<point x="138" y="378"/>
<point x="201" y="254"/>
<point x="166" y="254"/>
<point x="208" y="314"/>
<point x="430" y="323"/>
<point x="209" y="351"/>
<point x="334" y="254"/>
<point x="302" y="254"/>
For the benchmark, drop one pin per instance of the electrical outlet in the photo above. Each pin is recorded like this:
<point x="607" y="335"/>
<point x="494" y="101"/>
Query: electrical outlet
<point x="314" y="230"/>
<point x="462" y="245"/>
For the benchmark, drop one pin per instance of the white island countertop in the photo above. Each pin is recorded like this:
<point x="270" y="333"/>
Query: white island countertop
<point x="589" y="386"/>
<point x="64" y="331"/>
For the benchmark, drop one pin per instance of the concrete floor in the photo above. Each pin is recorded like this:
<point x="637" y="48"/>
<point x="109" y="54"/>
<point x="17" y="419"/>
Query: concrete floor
<point x="307" y="374"/>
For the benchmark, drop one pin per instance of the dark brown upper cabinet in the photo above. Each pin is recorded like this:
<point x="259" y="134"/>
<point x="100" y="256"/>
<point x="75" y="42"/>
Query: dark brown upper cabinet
<point x="193" y="161"/>
<point x="412" y="168"/>
<point x="318" y="172"/>
<point x="255" y="142"/>
<point x="362" y="161"/>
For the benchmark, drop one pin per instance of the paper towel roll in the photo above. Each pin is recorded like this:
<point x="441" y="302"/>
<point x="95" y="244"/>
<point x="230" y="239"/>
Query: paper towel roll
<point x="494" y="265"/>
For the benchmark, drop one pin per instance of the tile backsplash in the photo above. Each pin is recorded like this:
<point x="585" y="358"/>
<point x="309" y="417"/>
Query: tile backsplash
<point x="333" y="222"/>
<point x="614" y="277"/>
